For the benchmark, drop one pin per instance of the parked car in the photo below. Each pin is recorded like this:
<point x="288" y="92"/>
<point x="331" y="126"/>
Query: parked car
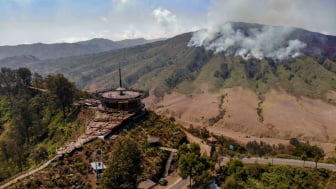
<point x="163" y="182"/>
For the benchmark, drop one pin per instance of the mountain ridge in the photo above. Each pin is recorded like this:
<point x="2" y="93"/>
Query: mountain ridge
<point x="59" y="50"/>
<point x="19" y="61"/>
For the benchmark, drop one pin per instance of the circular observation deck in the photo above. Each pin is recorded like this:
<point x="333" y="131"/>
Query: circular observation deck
<point x="121" y="100"/>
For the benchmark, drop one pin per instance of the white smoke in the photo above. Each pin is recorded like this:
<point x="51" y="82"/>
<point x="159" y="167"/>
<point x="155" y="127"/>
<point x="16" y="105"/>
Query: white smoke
<point x="268" y="41"/>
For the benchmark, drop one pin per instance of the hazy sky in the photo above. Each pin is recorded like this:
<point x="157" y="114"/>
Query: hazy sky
<point x="49" y="21"/>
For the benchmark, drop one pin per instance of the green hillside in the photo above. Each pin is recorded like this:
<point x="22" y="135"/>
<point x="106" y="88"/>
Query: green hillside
<point x="32" y="122"/>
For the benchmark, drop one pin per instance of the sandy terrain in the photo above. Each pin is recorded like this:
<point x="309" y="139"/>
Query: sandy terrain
<point x="284" y="116"/>
<point x="241" y="114"/>
<point x="195" y="109"/>
<point x="303" y="118"/>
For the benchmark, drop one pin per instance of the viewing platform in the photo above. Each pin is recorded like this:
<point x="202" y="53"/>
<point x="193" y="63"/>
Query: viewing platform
<point x="120" y="100"/>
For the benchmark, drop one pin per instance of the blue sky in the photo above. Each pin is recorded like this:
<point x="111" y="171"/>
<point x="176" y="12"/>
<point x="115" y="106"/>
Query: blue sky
<point x="50" y="21"/>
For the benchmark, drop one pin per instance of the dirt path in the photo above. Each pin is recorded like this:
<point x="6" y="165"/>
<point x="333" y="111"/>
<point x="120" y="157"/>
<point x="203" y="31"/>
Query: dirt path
<point x="170" y="159"/>
<point x="205" y="149"/>
<point x="28" y="173"/>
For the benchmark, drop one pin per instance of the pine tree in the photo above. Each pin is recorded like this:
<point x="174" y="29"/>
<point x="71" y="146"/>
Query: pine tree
<point x="124" y="166"/>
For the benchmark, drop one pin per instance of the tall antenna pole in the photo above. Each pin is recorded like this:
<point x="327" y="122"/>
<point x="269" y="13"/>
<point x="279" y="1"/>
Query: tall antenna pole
<point x="120" y="83"/>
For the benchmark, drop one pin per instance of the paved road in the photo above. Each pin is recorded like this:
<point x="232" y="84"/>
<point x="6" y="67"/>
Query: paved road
<point x="170" y="159"/>
<point x="204" y="147"/>
<point x="38" y="89"/>
<point x="280" y="161"/>
<point x="168" y="149"/>
<point x="183" y="183"/>
<point x="180" y="184"/>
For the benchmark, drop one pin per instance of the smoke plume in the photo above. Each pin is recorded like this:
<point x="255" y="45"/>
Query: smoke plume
<point x="258" y="42"/>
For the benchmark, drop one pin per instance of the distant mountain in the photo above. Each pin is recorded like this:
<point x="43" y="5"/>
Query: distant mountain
<point x="58" y="50"/>
<point x="18" y="61"/>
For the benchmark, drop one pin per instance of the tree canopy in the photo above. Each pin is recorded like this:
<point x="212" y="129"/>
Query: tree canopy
<point x="62" y="91"/>
<point x="191" y="163"/>
<point x="124" y="166"/>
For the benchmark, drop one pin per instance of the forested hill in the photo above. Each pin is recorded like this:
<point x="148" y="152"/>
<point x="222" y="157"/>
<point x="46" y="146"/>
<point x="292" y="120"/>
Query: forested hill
<point x="33" y="118"/>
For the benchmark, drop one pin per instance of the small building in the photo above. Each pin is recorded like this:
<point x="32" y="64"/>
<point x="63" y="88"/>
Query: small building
<point x="152" y="140"/>
<point x="212" y="140"/>
<point x="89" y="103"/>
<point x="99" y="168"/>
<point x="113" y="137"/>
<point x="106" y="136"/>
<point x="213" y="184"/>
<point x="147" y="184"/>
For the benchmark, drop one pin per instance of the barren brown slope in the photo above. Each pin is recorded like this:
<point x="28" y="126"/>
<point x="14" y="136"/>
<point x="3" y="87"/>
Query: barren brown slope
<point x="306" y="118"/>
<point x="284" y="116"/>
<point x="194" y="109"/>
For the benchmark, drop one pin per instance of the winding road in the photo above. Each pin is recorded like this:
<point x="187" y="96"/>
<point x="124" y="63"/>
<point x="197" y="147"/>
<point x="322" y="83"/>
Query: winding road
<point x="183" y="183"/>
<point x="180" y="184"/>
<point x="280" y="161"/>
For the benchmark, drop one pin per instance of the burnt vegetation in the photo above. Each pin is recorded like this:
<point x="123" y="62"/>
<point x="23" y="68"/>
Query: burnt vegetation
<point x="252" y="67"/>
<point x="223" y="72"/>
